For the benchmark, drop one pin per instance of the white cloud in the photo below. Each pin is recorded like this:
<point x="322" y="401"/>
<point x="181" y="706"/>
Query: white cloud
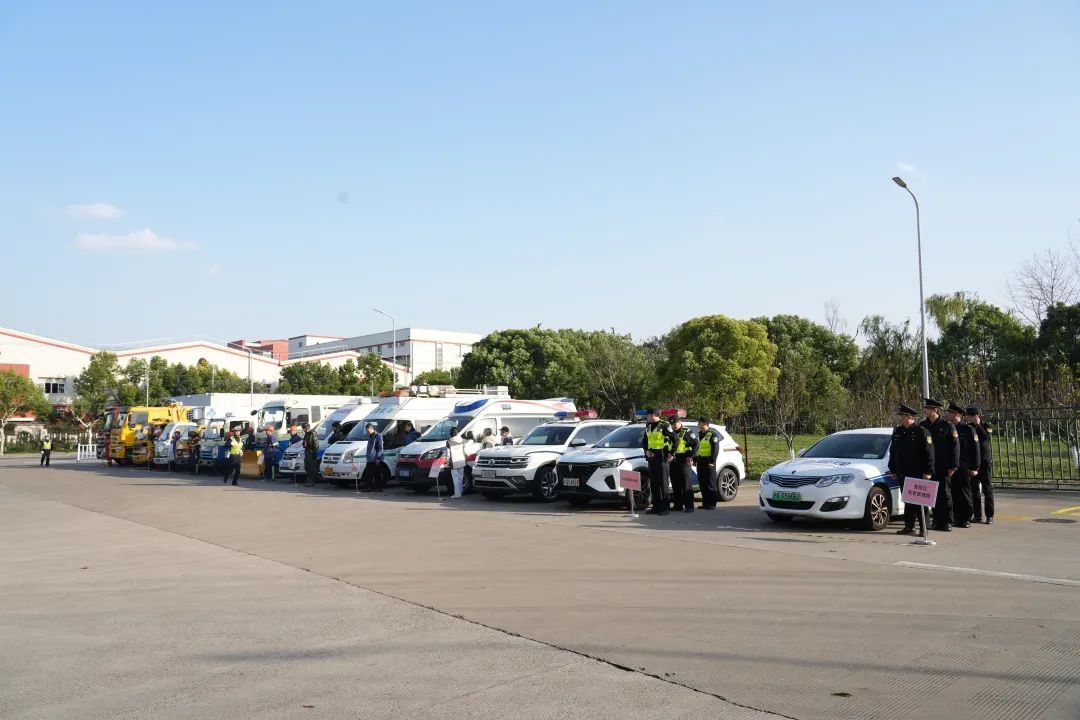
<point x="909" y="169"/>
<point x="145" y="240"/>
<point x="95" y="211"/>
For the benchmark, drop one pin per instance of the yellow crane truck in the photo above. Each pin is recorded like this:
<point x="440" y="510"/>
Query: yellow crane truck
<point x="134" y="429"/>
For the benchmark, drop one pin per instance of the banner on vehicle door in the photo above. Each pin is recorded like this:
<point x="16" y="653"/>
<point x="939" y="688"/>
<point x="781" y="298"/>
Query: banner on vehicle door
<point x="919" y="492"/>
<point x="630" y="480"/>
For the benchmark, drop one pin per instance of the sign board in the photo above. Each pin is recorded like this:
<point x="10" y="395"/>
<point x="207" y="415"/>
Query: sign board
<point x="919" y="492"/>
<point x="437" y="467"/>
<point x="630" y="480"/>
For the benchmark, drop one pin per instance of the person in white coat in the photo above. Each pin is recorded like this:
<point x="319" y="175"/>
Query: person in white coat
<point x="455" y="450"/>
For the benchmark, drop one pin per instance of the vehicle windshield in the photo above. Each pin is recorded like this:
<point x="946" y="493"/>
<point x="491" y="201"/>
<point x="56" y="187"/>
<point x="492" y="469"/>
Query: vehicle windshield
<point x="851" y="446"/>
<point x="167" y="430"/>
<point x="272" y="416"/>
<point x="108" y="422"/>
<point x="440" y="431"/>
<point x="624" y="437"/>
<point x="138" y="418"/>
<point x="213" y="432"/>
<point x="548" y="435"/>
<point x="359" y="431"/>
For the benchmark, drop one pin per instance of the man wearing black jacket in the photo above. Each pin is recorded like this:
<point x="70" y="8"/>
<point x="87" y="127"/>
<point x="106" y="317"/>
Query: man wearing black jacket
<point x="682" y="486"/>
<point x="946" y="444"/>
<point x="911" y="454"/>
<point x="970" y="461"/>
<point x="980" y="483"/>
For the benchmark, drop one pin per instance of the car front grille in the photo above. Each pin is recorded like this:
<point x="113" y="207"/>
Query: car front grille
<point x="581" y="471"/>
<point x="789" y="504"/>
<point x="792" y="482"/>
<point x="503" y="462"/>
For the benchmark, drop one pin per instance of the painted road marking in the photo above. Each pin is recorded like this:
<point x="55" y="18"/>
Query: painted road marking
<point x="990" y="573"/>
<point x="1075" y="510"/>
<point x="1021" y="518"/>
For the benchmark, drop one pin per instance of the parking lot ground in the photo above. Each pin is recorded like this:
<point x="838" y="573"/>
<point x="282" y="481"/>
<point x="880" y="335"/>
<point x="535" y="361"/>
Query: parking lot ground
<point x="198" y="598"/>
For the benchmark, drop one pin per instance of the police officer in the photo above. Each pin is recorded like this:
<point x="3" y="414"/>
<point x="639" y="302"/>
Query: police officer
<point x="193" y="452"/>
<point x="46" y="451"/>
<point x="270" y="458"/>
<point x="946" y="460"/>
<point x="657" y="442"/>
<point x="970" y="461"/>
<point x="980" y="481"/>
<point x="236" y="453"/>
<point x="311" y="463"/>
<point x="708" y="450"/>
<point x="682" y="485"/>
<point x="911" y="454"/>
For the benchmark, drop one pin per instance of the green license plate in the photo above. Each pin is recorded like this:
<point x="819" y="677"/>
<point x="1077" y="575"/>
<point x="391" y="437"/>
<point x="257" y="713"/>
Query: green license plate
<point x="790" y="496"/>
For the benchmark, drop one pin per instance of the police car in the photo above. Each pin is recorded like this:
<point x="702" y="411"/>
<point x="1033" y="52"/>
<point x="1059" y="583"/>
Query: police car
<point x="844" y="476"/>
<point x="529" y="466"/>
<point x="593" y="474"/>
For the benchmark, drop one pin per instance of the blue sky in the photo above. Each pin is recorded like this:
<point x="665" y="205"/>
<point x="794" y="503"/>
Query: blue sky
<point x="472" y="166"/>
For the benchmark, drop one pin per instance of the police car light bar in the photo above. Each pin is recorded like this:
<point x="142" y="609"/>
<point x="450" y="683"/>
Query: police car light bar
<point x="673" y="412"/>
<point x="581" y="414"/>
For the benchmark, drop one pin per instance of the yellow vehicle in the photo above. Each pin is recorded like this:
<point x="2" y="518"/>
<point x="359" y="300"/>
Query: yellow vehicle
<point x="132" y="431"/>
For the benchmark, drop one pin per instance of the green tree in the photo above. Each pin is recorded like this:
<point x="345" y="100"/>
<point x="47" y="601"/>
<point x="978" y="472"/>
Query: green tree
<point x="985" y="335"/>
<point x="532" y="363"/>
<point x="716" y="365"/>
<point x="619" y="373"/>
<point x="19" y="396"/>
<point x="372" y="374"/>
<point x="97" y="384"/>
<point x="437" y="377"/>
<point x="1059" y="335"/>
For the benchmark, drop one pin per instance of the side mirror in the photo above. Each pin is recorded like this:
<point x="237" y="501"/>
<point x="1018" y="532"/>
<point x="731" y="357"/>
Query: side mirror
<point x="254" y="412"/>
<point x="801" y="452"/>
<point x="577" y="442"/>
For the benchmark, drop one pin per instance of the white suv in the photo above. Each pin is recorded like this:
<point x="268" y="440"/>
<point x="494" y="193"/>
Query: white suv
<point x="593" y="474"/>
<point x="529" y="467"/>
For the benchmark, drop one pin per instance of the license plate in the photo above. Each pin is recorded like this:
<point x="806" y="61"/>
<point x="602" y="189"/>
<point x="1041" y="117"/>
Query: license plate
<point x="487" y="473"/>
<point x="789" y="496"/>
<point x="328" y="471"/>
<point x="404" y="473"/>
<point x="571" y="482"/>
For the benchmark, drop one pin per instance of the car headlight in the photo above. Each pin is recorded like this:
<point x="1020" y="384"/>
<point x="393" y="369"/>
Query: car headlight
<point x="764" y="478"/>
<point x="609" y="463"/>
<point x="431" y="454"/>
<point x="348" y="456"/>
<point x="844" y="479"/>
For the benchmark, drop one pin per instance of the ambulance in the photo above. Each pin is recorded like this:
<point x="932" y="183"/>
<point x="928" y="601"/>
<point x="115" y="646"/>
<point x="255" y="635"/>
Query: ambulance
<point x="471" y="417"/>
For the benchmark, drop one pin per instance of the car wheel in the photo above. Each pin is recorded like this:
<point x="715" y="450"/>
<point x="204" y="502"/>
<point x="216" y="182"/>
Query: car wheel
<point x="578" y="500"/>
<point x="466" y="482"/>
<point x="878" y="513"/>
<point x="727" y="485"/>
<point x="777" y="517"/>
<point x="548" y="488"/>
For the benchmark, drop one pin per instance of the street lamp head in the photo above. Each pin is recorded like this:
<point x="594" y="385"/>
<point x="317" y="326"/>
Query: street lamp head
<point x="900" y="181"/>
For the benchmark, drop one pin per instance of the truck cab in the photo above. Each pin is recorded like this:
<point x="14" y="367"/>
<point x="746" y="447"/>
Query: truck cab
<point x="122" y="439"/>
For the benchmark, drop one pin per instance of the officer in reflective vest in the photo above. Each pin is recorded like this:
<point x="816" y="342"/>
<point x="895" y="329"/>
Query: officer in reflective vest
<point x="46" y="451"/>
<point x="236" y="454"/>
<point x="682" y="484"/>
<point x="657" y="442"/>
<point x="708" y="450"/>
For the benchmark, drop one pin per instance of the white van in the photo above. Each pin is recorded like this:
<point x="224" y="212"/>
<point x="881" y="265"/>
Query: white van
<point x="292" y="460"/>
<point x="345" y="461"/>
<point x="163" y="447"/>
<point x="471" y="418"/>
<point x="285" y="412"/>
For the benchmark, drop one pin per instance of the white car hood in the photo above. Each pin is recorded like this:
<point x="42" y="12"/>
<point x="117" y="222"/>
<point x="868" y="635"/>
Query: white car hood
<point x="820" y="467"/>
<point x="592" y="455"/>
<point x="511" y="451"/>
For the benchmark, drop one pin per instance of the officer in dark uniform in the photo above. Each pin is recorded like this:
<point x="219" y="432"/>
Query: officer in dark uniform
<point x="946" y="460"/>
<point x="682" y="485"/>
<point x="980" y="481"/>
<point x="311" y="451"/>
<point x="657" y="442"/>
<point x="969" y="463"/>
<point x="911" y="454"/>
<point x="708" y="450"/>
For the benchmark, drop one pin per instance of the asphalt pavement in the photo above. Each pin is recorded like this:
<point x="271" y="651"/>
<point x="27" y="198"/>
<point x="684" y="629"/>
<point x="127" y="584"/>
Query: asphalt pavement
<point x="130" y="593"/>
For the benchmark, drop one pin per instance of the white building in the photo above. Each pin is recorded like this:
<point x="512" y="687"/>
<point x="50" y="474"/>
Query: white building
<point x="418" y="349"/>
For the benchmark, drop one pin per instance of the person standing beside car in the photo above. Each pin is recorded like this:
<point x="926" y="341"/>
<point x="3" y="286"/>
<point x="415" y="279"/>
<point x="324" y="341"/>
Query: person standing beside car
<point x="504" y="433"/>
<point x="372" y="479"/>
<point x="980" y="483"/>
<point x="311" y="451"/>
<point x="455" y="451"/>
<point x="657" y="441"/>
<point x="911" y="454"/>
<point x="967" y="469"/>
<point x="708" y="450"/>
<point x="682" y="487"/>
<point x="235" y="448"/>
<point x="946" y="460"/>
<point x="270" y="454"/>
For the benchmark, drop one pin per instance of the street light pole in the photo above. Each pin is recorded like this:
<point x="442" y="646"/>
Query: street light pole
<point x="393" y="358"/>
<point x="922" y="295"/>
<point x="251" y="381"/>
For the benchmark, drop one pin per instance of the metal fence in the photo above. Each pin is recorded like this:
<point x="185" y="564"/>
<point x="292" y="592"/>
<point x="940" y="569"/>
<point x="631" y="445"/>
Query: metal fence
<point x="1037" y="448"/>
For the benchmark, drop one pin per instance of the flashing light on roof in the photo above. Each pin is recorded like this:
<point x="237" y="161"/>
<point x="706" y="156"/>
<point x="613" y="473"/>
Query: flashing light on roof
<point x="673" y="413"/>
<point x="576" y="414"/>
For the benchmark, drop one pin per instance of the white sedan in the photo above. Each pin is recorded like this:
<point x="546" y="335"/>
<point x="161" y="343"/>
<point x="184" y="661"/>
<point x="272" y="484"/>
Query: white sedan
<point x="844" y="476"/>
